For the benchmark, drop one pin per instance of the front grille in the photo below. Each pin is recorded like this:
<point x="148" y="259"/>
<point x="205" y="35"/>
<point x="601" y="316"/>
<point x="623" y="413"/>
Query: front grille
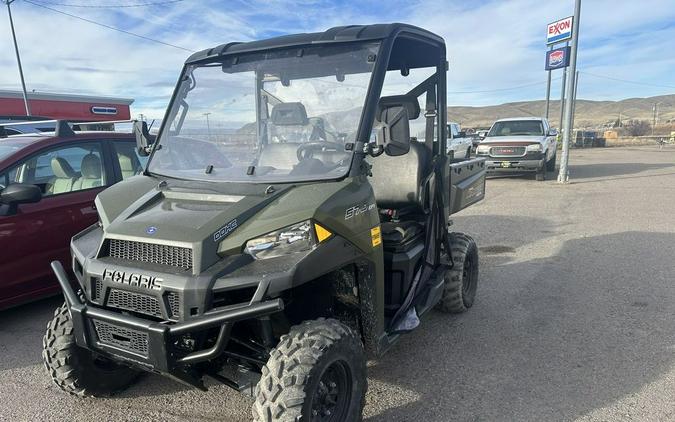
<point x="172" y="256"/>
<point x="135" y="302"/>
<point x="124" y="338"/>
<point x="174" y="304"/>
<point x="508" y="151"/>
<point x="97" y="294"/>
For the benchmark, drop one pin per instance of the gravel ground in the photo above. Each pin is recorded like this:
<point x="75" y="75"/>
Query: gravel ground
<point x="573" y="319"/>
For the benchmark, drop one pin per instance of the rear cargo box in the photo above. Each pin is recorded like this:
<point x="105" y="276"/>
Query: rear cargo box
<point x="467" y="183"/>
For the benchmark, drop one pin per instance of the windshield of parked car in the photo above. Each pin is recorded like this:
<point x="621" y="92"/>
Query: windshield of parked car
<point x="280" y="116"/>
<point x="517" y="128"/>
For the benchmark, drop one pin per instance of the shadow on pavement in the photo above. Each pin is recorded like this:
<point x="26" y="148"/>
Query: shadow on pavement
<point x="605" y="170"/>
<point x="547" y="339"/>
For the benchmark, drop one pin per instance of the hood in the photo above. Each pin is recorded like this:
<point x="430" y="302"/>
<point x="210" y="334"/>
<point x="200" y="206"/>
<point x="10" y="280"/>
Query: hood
<point x="521" y="139"/>
<point x="210" y="219"/>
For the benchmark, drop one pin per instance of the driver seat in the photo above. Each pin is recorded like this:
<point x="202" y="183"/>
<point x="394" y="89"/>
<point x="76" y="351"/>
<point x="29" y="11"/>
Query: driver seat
<point x="288" y="121"/>
<point x="399" y="184"/>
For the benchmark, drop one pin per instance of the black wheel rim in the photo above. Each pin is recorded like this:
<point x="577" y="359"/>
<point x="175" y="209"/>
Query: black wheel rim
<point x="330" y="401"/>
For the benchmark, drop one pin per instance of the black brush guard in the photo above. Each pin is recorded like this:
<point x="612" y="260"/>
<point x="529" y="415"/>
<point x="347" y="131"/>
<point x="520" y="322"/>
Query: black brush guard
<point x="158" y="358"/>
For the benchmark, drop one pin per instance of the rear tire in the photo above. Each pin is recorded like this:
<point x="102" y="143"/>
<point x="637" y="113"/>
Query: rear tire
<point x="76" y="370"/>
<point x="461" y="281"/>
<point x="318" y="370"/>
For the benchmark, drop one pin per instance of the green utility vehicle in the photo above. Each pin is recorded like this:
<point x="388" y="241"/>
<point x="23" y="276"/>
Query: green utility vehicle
<point x="311" y="238"/>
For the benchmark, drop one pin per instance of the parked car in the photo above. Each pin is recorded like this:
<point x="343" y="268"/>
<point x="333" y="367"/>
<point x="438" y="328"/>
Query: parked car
<point x="47" y="188"/>
<point x="458" y="142"/>
<point x="524" y="144"/>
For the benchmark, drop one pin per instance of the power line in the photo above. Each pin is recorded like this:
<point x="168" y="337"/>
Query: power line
<point x="109" y="27"/>
<point x="112" y="6"/>
<point x="502" y="89"/>
<point x="627" y="81"/>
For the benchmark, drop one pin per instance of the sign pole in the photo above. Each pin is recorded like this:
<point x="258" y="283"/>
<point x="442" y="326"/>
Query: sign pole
<point x="548" y="90"/>
<point x="18" y="58"/>
<point x="574" y="100"/>
<point x="562" y="97"/>
<point x="563" y="175"/>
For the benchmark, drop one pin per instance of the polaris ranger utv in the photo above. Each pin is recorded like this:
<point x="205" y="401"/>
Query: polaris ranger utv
<point x="314" y="237"/>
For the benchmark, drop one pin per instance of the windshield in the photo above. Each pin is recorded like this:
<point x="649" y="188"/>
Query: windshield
<point x="8" y="147"/>
<point x="308" y="105"/>
<point x="517" y="127"/>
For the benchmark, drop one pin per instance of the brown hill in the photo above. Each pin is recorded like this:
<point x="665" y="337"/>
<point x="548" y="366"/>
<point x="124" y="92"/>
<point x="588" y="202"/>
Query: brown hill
<point x="589" y="114"/>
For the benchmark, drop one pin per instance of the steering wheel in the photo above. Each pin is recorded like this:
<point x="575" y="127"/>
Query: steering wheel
<point x="306" y="151"/>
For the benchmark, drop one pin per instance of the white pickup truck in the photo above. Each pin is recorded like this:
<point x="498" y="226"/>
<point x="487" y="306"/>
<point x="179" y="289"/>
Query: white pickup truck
<point x="520" y="144"/>
<point x="458" y="142"/>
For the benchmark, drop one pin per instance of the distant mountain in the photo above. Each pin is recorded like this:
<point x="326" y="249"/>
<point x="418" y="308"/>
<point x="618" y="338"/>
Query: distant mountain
<point x="589" y="114"/>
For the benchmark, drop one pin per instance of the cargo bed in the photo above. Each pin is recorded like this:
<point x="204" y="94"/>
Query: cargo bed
<point x="467" y="183"/>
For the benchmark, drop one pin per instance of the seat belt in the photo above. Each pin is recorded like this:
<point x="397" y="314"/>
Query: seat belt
<point x="430" y="114"/>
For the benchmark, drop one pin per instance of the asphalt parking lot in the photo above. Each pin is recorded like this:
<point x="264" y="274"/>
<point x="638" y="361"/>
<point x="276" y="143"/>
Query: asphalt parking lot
<point x="573" y="319"/>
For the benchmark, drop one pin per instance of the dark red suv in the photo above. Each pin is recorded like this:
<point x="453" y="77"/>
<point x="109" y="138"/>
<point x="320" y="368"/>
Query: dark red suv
<point x="47" y="190"/>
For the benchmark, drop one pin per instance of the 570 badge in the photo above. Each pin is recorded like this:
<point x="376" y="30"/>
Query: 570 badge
<point x="357" y="210"/>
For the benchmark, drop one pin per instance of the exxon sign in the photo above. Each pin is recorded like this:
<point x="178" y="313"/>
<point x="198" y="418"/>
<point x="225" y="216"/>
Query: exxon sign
<point x="559" y="30"/>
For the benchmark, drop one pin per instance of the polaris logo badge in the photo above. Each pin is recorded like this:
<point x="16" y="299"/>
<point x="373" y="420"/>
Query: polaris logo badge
<point x="151" y="230"/>
<point x="133" y="279"/>
<point x="225" y="230"/>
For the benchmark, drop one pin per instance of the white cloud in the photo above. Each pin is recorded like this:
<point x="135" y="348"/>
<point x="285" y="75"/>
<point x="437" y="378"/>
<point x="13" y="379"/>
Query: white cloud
<point x="492" y="45"/>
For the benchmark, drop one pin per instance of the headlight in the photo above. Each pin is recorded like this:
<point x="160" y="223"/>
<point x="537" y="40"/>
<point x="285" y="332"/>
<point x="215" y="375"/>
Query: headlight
<point x="533" y="148"/>
<point x="483" y="149"/>
<point x="298" y="237"/>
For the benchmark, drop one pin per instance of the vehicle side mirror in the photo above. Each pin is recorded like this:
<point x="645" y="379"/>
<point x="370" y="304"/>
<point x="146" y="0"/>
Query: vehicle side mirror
<point x="552" y="132"/>
<point x="394" y="131"/>
<point x="18" y="193"/>
<point x="143" y="138"/>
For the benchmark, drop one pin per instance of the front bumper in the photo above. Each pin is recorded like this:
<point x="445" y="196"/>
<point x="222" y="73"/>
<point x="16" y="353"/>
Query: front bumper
<point x="149" y="345"/>
<point x="514" y="164"/>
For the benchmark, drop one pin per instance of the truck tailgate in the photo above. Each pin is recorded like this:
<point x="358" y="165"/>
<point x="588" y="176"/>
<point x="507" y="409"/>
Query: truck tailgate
<point x="467" y="183"/>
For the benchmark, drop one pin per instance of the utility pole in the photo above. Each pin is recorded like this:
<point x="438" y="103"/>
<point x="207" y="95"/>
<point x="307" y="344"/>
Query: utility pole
<point x="548" y="89"/>
<point x="655" y="116"/>
<point x="18" y="58"/>
<point x="656" y="122"/>
<point x="208" y="126"/>
<point x="563" y="175"/>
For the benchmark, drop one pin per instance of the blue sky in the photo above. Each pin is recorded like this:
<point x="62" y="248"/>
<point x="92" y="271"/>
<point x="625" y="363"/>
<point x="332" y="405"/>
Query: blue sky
<point x="493" y="45"/>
